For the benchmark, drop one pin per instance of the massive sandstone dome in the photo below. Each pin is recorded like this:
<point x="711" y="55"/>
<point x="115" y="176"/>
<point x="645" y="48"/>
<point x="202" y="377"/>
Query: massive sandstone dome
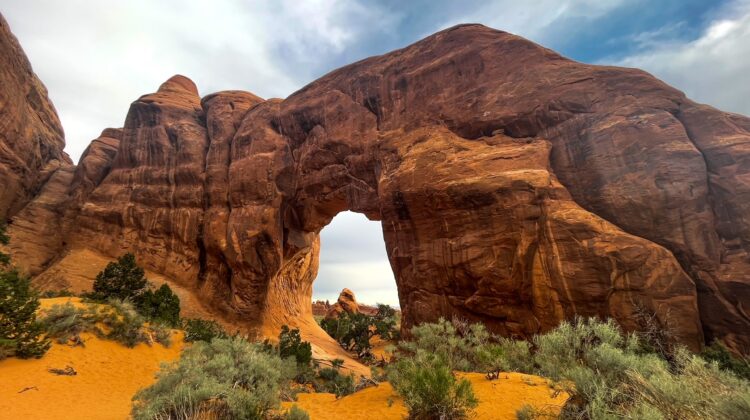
<point x="514" y="187"/>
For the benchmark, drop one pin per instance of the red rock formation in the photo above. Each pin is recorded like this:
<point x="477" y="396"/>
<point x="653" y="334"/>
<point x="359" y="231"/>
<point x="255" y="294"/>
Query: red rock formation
<point x="31" y="137"/>
<point x="345" y="303"/>
<point x="515" y="187"/>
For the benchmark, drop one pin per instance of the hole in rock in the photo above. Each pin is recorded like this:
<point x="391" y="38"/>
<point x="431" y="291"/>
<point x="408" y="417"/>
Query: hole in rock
<point x="353" y="256"/>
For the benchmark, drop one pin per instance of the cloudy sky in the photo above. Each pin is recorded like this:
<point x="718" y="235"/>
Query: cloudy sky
<point x="97" y="56"/>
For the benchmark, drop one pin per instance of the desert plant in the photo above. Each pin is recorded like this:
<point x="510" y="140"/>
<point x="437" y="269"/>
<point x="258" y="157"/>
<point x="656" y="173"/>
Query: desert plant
<point x="291" y="345"/>
<point x="226" y="378"/>
<point x="296" y="413"/>
<point x="120" y="280"/>
<point x="609" y="375"/>
<point x="4" y="240"/>
<point x="330" y="379"/>
<point x="442" y="338"/>
<point x="162" y="306"/>
<point x="429" y="388"/>
<point x="718" y="352"/>
<point x="66" y="322"/>
<point x="197" y="329"/>
<point x="353" y="331"/>
<point x="119" y="321"/>
<point x="47" y="294"/>
<point x="21" y="335"/>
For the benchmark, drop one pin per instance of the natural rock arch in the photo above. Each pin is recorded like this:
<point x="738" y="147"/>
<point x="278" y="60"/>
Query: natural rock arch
<point x="514" y="187"/>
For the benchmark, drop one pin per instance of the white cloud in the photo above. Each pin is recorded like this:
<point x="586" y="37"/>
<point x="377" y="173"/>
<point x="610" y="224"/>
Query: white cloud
<point x="353" y="255"/>
<point x="714" y="68"/>
<point x="536" y="20"/>
<point x="97" y="57"/>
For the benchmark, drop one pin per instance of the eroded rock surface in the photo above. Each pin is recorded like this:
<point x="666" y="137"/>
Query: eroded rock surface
<point x="31" y="137"/>
<point x="514" y="187"/>
<point x="345" y="303"/>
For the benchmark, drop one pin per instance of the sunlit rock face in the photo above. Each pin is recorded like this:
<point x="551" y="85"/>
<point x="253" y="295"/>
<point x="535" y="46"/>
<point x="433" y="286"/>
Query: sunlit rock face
<point x="515" y="187"/>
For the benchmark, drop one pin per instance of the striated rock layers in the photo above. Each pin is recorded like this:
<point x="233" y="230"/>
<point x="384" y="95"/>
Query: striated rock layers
<point x="31" y="137"/>
<point x="514" y="187"/>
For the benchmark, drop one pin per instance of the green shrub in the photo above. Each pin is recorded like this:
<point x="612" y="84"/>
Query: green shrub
<point x="459" y="351"/>
<point x="226" y="378"/>
<point x="291" y="345"/>
<point x="21" y="335"/>
<point x="430" y="391"/>
<point x="353" y="331"/>
<point x="296" y="413"/>
<point x="197" y="329"/>
<point x="612" y="377"/>
<point x="718" y="353"/>
<point x="385" y="322"/>
<point x="48" y="294"/>
<point x="66" y="322"/>
<point x="120" y="280"/>
<point x="4" y="240"/>
<point x="162" y="306"/>
<point x="330" y="379"/>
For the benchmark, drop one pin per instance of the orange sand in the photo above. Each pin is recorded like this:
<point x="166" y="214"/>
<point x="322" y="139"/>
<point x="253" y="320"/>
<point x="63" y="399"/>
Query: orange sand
<point x="109" y="374"/>
<point x="498" y="399"/>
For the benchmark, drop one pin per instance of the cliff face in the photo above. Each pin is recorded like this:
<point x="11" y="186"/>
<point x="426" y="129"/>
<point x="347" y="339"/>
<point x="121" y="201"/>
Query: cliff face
<point x="31" y="137"/>
<point x="515" y="187"/>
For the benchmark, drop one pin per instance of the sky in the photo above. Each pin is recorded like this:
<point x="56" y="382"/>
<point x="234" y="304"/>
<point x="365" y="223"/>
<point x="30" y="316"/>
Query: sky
<point x="97" y="56"/>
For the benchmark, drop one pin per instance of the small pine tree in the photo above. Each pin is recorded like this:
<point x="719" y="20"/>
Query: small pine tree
<point x="161" y="306"/>
<point x="120" y="280"/>
<point x="21" y="335"/>
<point x="291" y="345"/>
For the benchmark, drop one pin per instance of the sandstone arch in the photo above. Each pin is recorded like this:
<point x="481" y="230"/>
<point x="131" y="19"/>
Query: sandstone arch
<point x="514" y="186"/>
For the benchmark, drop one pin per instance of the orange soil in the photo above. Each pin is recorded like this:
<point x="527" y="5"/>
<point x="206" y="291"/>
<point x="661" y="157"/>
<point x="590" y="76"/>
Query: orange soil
<point x="109" y="374"/>
<point x="78" y="268"/>
<point x="498" y="399"/>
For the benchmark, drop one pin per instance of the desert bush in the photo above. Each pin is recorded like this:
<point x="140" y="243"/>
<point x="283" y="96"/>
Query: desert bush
<point x="718" y="353"/>
<point x="353" y="331"/>
<point x="119" y="280"/>
<point x="608" y="375"/>
<point x="66" y="322"/>
<point x="296" y="413"/>
<point x="224" y="378"/>
<point x="21" y="335"/>
<point x="459" y="351"/>
<point x="122" y="323"/>
<point x="197" y="329"/>
<point x="291" y="345"/>
<point x="48" y="294"/>
<point x="330" y="379"/>
<point x="430" y="390"/>
<point x="4" y="240"/>
<point x="161" y="306"/>
<point x="385" y="322"/>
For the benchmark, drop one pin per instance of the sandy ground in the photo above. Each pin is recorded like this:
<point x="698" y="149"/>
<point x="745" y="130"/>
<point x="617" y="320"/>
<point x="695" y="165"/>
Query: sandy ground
<point x="498" y="399"/>
<point x="109" y="374"/>
<point x="77" y="270"/>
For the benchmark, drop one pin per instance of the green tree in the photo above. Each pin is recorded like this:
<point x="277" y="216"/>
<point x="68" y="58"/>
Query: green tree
<point x="160" y="306"/>
<point x="121" y="280"/>
<point x="291" y="345"/>
<point x="21" y="335"/>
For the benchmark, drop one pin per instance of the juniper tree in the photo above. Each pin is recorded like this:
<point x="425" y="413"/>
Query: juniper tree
<point x="120" y="280"/>
<point x="21" y="335"/>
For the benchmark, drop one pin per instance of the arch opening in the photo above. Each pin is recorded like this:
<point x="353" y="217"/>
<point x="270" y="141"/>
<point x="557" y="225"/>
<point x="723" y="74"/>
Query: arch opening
<point x="353" y="256"/>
